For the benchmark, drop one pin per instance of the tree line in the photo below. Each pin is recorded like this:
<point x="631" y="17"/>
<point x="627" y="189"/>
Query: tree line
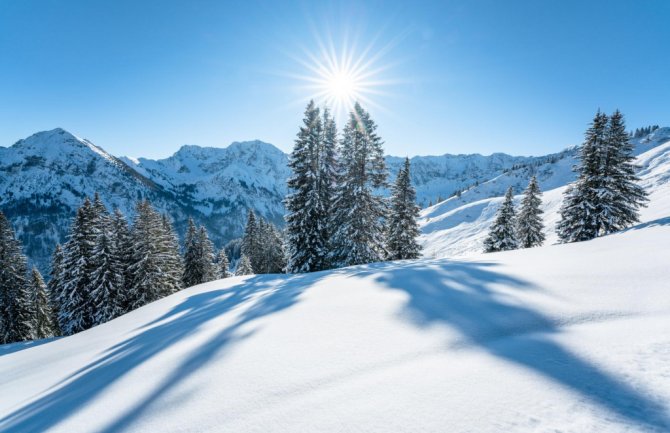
<point x="108" y="268"/>
<point x="605" y="198"/>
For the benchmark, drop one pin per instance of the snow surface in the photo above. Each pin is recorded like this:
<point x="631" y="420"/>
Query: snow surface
<point x="564" y="338"/>
<point x="458" y="226"/>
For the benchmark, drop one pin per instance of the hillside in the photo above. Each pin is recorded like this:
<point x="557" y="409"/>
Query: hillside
<point x="547" y="339"/>
<point x="458" y="226"/>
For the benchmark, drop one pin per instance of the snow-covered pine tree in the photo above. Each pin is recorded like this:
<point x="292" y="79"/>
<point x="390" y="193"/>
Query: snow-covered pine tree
<point x="251" y="242"/>
<point x="16" y="312"/>
<point x="502" y="236"/>
<point x="43" y="325"/>
<point x="76" y="309"/>
<point x="199" y="264"/>
<point x="359" y="211"/>
<point x="328" y="173"/>
<point x="55" y="287"/>
<point x="244" y="266"/>
<point x="580" y="203"/>
<point x="209" y="271"/>
<point x="401" y="226"/>
<point x="273" y="254"/>
<point x="122" y="245"/>
<point x="155" y="266"/>
<point x="223" y="264"/>
<point x="191" y="275"/>
<point x="619" y="195"/>
<point x="529" y="227"/>
<point x="107" y="294"/>
<point x="305" y="217"/>
<point x="170" y="259"/>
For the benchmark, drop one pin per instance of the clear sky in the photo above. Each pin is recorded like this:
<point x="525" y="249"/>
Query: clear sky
<point x="142" y="78"/>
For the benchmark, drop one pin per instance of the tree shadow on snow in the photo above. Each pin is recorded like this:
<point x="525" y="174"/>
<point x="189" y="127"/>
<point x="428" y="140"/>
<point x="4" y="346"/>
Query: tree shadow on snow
<point x="258" y="296"/>
<point x="460" y="295"/>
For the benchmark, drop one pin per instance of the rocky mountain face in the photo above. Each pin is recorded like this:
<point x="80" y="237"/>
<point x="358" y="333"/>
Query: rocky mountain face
<point x="45" y="177"/>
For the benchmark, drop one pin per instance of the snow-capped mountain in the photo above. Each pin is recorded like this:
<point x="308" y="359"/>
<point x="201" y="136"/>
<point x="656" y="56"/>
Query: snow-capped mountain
<point x="459" y="225"/>
<point x="45" y="177"/>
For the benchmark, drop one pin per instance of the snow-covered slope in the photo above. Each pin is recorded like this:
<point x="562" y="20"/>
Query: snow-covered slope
<point x="458" y="225"/>
<point x="570" y="338"/>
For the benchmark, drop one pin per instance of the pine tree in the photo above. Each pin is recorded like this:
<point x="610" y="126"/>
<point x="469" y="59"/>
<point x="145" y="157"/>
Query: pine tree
<point x="605" y="198"/>
<point x="502" y="236"/>
<point x="122" y="246"/>
<point x="43" y="325"/>
<point x="244" y="266"/>
<point x="580" y="203"/>
<point x="401" y="226"/>
<point x="209" y="272"/>
<point x="76" y="310"/>
<point x="107" y="293"/>
<point x="619" y="195"/>
<point x="359" y="211"/>
<point x="199" y="264"/>
<point x="155" y="266"/>
<point x="16" y="307"/>
<point x="55" y="287"/>
<point x="191" y="275"/>
<point x="170" y="259"/>
<point x="328" y="175"/>
<point x="251" y="242"/>
<point x="529" y="229"/>
<point x="305" y="218"/>
<point x="272" y="253"/>
<point x="223" y="265"/>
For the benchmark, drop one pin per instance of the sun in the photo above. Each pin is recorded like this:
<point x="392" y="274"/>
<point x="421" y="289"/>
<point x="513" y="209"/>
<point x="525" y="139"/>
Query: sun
<point x="339" y="78"/>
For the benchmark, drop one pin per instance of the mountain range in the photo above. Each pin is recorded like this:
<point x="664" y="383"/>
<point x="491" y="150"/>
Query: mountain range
<point x="45" y="177"/>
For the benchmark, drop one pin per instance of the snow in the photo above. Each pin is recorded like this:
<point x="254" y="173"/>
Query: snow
<point x="458" y="226"/>
<point x="569" y="338"/>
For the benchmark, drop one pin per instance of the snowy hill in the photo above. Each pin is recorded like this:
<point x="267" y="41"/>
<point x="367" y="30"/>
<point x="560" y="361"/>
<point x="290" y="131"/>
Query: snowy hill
<point x="458" y="226"/>
<point x="546" y="339"/>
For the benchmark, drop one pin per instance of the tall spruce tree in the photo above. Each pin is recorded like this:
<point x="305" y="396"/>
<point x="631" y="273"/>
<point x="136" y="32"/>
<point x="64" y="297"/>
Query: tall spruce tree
<point x="581" y="204"/>
<point x="306" y="223"/>
<point x="402" y="228"/>
<point x="122" y="245"/>
<point x="529" y="228"/>
<point x="223" y="264"/>
<point x="16" y="308"/>
<point x="43" y="325"/>
<point x="359" y="210"/>
<point x="76" y="309"/>
<point x="328" y="174"/>
<point x="192" y="273"/>
<point x="107" y="292"/>
<point x="619" y="195"/>
<point x="251" y="241"/>
<point x="199" y="266"/>
<point x="155" y="266"/>
<point x="502" y="235"/>
<point x="170" y="259"/>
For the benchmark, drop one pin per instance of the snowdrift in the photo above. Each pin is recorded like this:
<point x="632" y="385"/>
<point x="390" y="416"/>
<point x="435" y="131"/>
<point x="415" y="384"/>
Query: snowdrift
<point x="570" y="338"/>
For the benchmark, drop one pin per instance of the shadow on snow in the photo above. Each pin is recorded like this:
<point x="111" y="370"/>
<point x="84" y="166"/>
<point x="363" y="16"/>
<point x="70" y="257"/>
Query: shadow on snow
<point x="456" y="294"/>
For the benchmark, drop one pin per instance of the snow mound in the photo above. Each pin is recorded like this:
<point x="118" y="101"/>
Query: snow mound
<point x="570" y="338"/>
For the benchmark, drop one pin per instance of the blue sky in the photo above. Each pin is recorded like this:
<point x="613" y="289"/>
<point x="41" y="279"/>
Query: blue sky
<point x="142" y="78"/>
